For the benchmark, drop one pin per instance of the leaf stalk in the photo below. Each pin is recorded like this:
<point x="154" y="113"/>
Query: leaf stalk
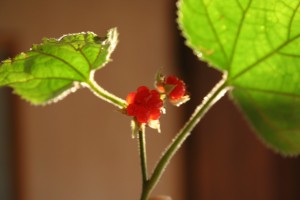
<point x="105" y="95"/>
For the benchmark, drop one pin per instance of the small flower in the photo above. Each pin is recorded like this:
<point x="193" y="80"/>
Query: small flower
<point x="173" y="88"/>
<point x="179" y="88"/>
<point x="144" y="105"/>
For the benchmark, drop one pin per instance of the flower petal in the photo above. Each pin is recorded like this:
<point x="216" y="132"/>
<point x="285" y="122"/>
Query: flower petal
<point x="130" y="97"/>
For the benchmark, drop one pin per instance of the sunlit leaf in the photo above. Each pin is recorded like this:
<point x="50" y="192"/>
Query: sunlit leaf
<point x="257" y="44"/>
<point x="51" y="70"/>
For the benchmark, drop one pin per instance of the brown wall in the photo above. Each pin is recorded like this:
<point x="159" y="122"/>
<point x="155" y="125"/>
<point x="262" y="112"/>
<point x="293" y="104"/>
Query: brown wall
<point x="81" y="148"/>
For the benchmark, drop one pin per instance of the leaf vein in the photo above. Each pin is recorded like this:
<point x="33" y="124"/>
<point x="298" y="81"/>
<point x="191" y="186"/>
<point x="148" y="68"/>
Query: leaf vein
<point x="289" y="54"/>
<point x="237" y="36"/>
<point x="263" y="58"/>
<point x="40" y="78"/>
<point x="215" y="32"/>
<point x="87" y="60"/>
<point x="62" y="60"/>
<point x="268" y="91"/>
<point x="291" y="20"/>
<point x="98" y="54"/>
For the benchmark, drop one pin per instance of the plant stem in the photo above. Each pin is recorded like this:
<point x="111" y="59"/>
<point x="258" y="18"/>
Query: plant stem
<point x="105" y="95"/>
<point x="216" y="93"/>
<point x="143" y="155"/>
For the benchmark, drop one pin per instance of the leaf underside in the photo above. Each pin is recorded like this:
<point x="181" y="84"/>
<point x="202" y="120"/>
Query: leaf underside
<point x="51" y="70"/>
<point x="257" y="44"/>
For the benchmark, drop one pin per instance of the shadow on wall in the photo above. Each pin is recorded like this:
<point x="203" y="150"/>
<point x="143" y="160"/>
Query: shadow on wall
<point x="7" y="133"/>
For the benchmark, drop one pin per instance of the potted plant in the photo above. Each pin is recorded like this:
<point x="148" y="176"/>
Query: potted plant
<point x="255" y="44"/>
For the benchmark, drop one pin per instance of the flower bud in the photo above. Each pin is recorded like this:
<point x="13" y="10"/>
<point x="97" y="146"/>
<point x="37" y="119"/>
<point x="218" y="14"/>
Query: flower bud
<point x="173" y="88"/>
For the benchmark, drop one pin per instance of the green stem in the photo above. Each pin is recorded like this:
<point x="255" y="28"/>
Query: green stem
<point x="143" y="155"/>
<point x="216" y="93"/>
<point x="105" y="95"/>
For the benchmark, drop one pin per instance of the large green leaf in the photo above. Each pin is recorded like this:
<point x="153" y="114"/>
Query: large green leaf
<point x="257" y="44"/>
<point x="51" y="70"/>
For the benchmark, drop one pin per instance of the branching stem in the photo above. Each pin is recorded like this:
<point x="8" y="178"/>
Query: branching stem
<point x="216" y="93"/>
<point x="149" y="183"/>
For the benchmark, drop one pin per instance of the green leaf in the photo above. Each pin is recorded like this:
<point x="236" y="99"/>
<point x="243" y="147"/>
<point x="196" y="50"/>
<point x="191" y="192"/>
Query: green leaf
<point x="51" y="70"/>
<point x="256" y="43"/>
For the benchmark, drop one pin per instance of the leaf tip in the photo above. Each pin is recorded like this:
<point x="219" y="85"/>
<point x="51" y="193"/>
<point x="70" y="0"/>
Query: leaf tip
<point x="112" y="38"/>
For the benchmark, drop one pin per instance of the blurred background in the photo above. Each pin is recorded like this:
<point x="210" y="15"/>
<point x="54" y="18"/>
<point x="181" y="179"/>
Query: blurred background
<point x="81" y="147"/>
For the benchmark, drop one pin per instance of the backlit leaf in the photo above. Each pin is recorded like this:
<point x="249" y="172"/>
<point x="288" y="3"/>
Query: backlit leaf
<point x="51" y="70"/>
<point x="256" y="43"/>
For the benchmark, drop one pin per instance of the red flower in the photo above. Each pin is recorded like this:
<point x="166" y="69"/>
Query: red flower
<point x="174" y="88"/>
<point x="179" y="88"/>
<point x="144" y="104"/>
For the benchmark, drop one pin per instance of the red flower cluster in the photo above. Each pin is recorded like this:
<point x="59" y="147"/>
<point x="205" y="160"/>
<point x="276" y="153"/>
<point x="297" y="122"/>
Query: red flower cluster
<point x="144" y="104"/>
